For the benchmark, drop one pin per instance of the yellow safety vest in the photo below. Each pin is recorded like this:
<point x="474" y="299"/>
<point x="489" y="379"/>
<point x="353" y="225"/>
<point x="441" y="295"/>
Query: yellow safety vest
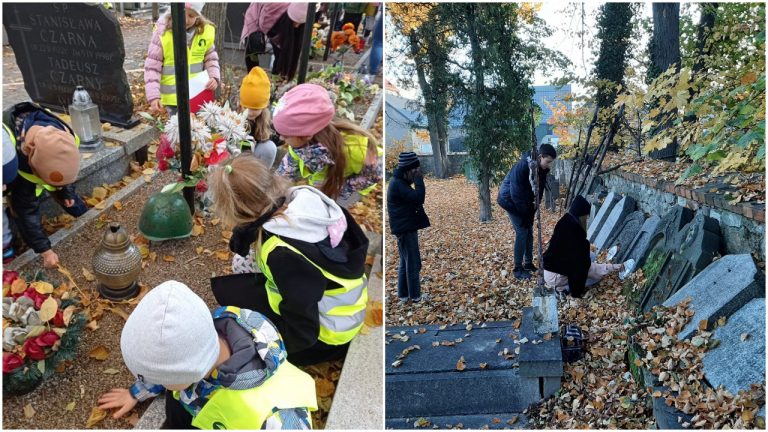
<point x="342" y="309"/>
<point x="40" y="185"/>
<point x="201" y="43"/>
<point x="248" y="409"/>
<point x="356" y="147"/>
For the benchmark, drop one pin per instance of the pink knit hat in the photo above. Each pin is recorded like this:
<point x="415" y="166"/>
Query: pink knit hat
<point x="304" y="111"/>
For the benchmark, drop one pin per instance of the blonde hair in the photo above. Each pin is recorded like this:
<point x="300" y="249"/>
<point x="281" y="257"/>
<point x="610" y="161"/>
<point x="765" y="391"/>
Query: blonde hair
<point x="261" y="126"/>
<point x="247" y="191"/>
<point x="200" y="22"/>
<point x="331" y="138"/>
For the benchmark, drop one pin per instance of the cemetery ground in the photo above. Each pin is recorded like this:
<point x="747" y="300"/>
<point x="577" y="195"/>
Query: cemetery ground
<point x="68" y="399"/>
<point x="467" y="272"/>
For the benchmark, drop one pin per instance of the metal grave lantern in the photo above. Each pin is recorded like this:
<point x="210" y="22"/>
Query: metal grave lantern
<point x="117" y="264"/>
<point x="85" y="120"/>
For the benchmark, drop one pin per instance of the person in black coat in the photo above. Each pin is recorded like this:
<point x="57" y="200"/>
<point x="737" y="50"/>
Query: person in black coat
<point x="568" y="262"/>
<point x="516" y="197"/>
<point x="405" y="206"/>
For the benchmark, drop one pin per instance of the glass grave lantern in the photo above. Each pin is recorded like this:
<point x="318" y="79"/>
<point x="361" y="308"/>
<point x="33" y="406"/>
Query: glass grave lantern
<point x="85" y="120"/>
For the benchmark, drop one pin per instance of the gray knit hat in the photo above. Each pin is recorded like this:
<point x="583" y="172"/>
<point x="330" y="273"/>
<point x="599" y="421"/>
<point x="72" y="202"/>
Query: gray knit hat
<point x="169" y="339"/>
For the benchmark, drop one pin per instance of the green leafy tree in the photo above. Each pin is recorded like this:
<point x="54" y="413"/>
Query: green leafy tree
<point x="614" y="30"/>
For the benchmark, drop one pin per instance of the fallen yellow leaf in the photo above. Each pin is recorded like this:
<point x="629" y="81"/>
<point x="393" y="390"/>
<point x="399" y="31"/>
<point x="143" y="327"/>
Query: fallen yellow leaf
<point x="197" y="230"/>
<point x="48" y="309"/>
<point x="97" y="415"/>
<point x="223" y="255"/>
<point x="118" y="205"/>
<point x="101" y="206"/>
<point x="99" y="353"/>
<point x="88" y="275"/>
<point x="71" y="406"/>
<point x="42" y="287"/>
<point x="460" y="366"/>
<point x="215" y="222"/>
<point x="169" y="258"/>
<point x="18" y="286"/>
<point x="29" y="411"/>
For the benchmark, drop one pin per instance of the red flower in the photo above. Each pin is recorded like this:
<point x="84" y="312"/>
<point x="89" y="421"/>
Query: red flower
<point x="163" y="165"/>
<point x="47" y="338"/>
<point x="33" y="350"/>
<point x="36" y="296"/>
<point x="215" y="157"/>
<point x="201" y="186"/>
<point x="11" y="362"/>
<point x="9" y="276"/>
<point x="58" y="319"/>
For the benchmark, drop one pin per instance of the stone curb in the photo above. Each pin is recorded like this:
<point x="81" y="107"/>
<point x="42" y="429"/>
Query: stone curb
<point x="93" y="213"/>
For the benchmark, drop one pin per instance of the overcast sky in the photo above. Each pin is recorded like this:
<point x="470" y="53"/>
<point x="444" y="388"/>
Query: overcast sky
<point x="562" y="19"/>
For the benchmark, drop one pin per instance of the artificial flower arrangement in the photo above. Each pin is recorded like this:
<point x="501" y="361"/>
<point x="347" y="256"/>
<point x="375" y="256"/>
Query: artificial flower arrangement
<point x="345" y="88"/>
<point x="217" y="134"/>
<point x="318" y="40"/>
<point x="41" y="329"/>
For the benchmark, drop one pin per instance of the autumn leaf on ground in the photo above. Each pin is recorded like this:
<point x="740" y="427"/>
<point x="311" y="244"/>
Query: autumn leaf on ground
<point x="119" y="312"/>
<point x="92" y="325"/>
<point x="222" y="255"/>
<point x="90" y="277"/>
<point x="374" y="314"/>
<point x="111" y="371"/>
<point x="18" y="286"/>
<point x="100" y="193"/>
<point x="133" y="419"/>
<point x="42" y="287"/>
<point x="48" y="309"/>
<point x="101" y="206"/>
<point x="215" y="222"/>
<point x="118" y="205"/>
<point x="71" y="406"/>
<point x="29" y="412"/>
<point x="460" y="366"/>
<point x="369" y="260"/>
<point x="324" y="387"/>
<point x="99" y="353"/>
<point x="96" y="416"/>
<point x="197" y="230"/>
<point x="67" y="314"/>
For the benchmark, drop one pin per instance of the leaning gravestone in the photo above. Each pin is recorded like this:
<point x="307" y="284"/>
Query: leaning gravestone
<point x="665" y="233"/>
<point x="720" y="290"/>
<point x="615" y="220"/>
<point x="638" y="247"/>
<point x="628" y="231"/>
<point x="693" y="249"/>
<point x="551" y="193"/>
<point x="601" y="216"/>
<point x="59" y="46"/>
<point x="739" y="361"/>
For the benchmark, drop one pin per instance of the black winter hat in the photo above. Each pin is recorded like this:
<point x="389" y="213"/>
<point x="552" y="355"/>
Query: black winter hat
<point x="579" y="207"/>
<point x="408" y="160"/>
<point x="548" y="150"/>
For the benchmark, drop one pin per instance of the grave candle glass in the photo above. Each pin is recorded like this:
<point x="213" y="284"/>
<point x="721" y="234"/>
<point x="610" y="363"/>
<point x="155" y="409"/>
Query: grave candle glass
<point x="85" y="120"/>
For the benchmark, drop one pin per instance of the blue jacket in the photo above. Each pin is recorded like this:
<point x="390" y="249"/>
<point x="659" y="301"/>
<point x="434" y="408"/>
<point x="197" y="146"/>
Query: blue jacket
<point x="516" y="192"/>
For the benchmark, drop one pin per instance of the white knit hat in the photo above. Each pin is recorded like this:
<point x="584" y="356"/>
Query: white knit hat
<point x="195" y="6"/>
<point x="297" y="12"/>
<point x="169" y="339"/>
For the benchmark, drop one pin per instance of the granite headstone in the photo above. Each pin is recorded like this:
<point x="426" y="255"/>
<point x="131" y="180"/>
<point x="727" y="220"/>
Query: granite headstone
<point x="601" y="216"/>
<point x="665" y="234"/>
<point x="624" y="236"/>
<point x="737" y="363"/>
<point x="615" y="220"/>
<point x="59" y="46"/>
<point x="720" y="290"/>
<point x="638" y="247"/>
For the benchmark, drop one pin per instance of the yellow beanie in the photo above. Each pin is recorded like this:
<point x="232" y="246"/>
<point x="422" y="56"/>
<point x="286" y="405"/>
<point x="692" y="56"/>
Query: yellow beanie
<point x="255" y="89"/>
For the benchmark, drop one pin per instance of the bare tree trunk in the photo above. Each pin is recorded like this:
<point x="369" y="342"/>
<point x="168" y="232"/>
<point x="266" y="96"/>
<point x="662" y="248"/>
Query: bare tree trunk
<point x="666" y="35"/>
<point x="217" y="14"/>
<point x="432" y="121"/>
<point x="704" y="30"/>
<point x="155" y="12"/>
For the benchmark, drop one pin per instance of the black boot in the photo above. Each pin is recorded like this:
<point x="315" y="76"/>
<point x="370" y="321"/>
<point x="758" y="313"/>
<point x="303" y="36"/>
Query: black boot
<point x="530" y="267"/>
<point x="521" y="274"/>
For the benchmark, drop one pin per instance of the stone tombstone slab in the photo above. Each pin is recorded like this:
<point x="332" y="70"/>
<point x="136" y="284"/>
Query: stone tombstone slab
<point x="615" y="220"/>
<point x="720" y="290"/>
<point x="638" y="247"/>
<point x="59" y="46"/>
<point x="626" y="234"/>
<point x="693" y="249"/>
<point x="737" y="363"/>
<point x="601" y="216"/>
<point x="551" y="193"/>
<point x="665" y="233"/>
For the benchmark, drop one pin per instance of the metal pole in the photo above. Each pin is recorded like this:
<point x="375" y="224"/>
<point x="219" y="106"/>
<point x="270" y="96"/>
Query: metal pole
<point x="334" y="17"/>
<point x="536" y="204"/>
<point x="178" y="17"/>
<point x="155" y="12"/>
<point x="305" y="45"/>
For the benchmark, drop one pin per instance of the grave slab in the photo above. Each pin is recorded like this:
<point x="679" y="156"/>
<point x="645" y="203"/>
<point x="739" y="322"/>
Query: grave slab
<point x="626" y="233"/>
<point x="548" y="322"/>
<point x="720" y="290"/>
<point x="694" y="247"/>
<point x="476" y="422"/>
<point x="638" y="247"/>
<point x="665" y="234"/>
<point x="87" y="51"/>
<point x="601" y="216"/>
<point x="737" y="363"/>
<point x="615" y="220"/>
<point x="543" y="359"/>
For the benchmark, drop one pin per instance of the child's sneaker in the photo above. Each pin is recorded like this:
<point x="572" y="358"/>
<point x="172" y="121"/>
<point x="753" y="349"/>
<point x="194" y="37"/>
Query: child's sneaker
<point x="629" y="267"/>
<point x="612" y="253"/>
<point x="423" y="297"/>
<point x="402" y="300"/>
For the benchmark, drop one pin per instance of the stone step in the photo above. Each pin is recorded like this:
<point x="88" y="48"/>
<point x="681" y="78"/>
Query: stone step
<point x="358" y="401"/>
<point x="477" y="421"/>
<point x="428" y="383"/>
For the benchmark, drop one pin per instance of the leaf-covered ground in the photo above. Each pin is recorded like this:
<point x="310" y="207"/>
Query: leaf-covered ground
<point x="467" y="269"/>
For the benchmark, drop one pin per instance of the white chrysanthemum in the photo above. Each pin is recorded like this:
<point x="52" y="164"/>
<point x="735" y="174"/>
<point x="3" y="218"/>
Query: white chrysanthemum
<point x="200" y="132"/>
<point x="171" y="129"/>
<point x="232" y="128"/>
<point x="210" y="113"/>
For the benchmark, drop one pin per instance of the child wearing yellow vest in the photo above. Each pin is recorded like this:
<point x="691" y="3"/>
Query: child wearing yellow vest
<point x="255" y="92"/>
<point x="159" y="72"/>
<point x="310" y="254"/>
<point x="222" y="370"/>
<point x="336" y="156"/>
